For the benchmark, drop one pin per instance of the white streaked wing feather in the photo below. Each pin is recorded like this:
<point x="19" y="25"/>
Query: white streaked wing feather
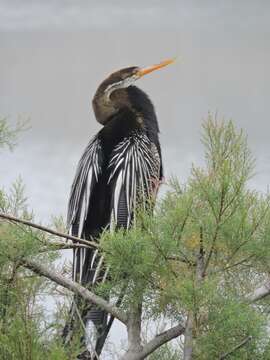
<point x="87" y="173"/>
<point x="133" y="166"/>
<point x="134" y="163"/>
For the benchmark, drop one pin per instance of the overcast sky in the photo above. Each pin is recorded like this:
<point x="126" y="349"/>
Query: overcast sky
<point x="55" y="53"/>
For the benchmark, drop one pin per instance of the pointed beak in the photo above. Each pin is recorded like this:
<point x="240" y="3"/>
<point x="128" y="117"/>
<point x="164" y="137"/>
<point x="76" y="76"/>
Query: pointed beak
<point x="149" y="69"/>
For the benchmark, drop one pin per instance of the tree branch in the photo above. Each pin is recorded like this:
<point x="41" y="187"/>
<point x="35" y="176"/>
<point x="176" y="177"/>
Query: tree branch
<point x="134" y="332"/>
<point x="55" y="246"/>
<point x="161" y="339"/>
<point x="91" y="244"/>
<point x="242" y="343"/>
<point x="75" y="288"/>
<point x="259" y="293"/>
<point x="188" y="341"/>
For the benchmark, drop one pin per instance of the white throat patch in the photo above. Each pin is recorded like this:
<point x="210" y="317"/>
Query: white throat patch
<point x="121" y="84"/>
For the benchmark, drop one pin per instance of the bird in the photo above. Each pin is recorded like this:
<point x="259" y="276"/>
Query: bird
<point x="120" y="169"/>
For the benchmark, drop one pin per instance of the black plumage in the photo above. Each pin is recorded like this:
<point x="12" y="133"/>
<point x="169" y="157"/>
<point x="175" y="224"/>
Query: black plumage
<point x="120" y="168"/>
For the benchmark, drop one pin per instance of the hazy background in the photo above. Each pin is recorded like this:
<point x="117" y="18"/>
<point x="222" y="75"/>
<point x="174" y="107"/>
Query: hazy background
<point x="53" y="55"/>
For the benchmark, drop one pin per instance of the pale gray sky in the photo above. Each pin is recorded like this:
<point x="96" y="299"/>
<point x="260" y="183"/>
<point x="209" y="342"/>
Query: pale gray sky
<point x="55" y="53"/>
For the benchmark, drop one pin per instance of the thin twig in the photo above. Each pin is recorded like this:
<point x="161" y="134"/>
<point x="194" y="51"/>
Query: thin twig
<point x="159" y="248"/>
<point x="237" y="347"/>
<point x="205" y="193"/>
<point x="256" y="226"/>
<point x="240" y="262"/>
<point x="183" y="224"/>
<point x="218" y="220"/>
<point x="55" y="246"/>
<point x="91" y="244"/>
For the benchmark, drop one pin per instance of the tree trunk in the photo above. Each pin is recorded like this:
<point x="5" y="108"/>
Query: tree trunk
<point x="134" y="333"/>
<point x="188" y="343"/>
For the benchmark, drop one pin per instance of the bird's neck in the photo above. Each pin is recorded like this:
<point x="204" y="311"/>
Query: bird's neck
<point x="144" y="109"/>
<point x="121" y="125"/>
<point x="103" y="108"/>
<point x="136" y="106"/>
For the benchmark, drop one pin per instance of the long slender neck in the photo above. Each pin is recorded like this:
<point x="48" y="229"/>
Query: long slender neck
<point x="144" y="107"/>
<point x="132" y="99"/>
<point x="103" y="107"/>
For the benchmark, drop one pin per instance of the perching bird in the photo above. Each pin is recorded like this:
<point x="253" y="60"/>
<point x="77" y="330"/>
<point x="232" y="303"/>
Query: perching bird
<point x="120" y="168"/>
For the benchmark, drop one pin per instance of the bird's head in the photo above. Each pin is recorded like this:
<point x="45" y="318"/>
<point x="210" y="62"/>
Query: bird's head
<point x="111" y="94"/>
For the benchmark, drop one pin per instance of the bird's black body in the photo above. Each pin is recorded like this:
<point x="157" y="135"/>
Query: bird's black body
<point x="120" y="168"/>
<point x="115" y="131"/>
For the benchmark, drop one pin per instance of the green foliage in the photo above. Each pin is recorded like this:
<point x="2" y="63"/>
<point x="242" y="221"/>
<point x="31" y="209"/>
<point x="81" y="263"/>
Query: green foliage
<point x="23" y="333"/>
<point x="205" y="248"/>
<point x="227" y="322"/>
<point x="14" y="202"/>
<point x="8" y="134"/>
<point x="22" y="323"/>
<point x="202" y="251"/>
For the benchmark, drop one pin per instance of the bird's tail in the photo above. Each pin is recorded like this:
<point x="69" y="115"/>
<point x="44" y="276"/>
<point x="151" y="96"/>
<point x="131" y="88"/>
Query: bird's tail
<point x="89" y="270"/>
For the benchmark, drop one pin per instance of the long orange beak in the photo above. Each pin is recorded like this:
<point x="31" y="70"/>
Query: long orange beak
<point x="149" y="69"/>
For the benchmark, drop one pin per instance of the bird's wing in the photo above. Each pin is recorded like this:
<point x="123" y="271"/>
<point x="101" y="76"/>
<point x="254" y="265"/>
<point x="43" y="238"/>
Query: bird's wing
<point x="134" y="175"/>
<point x="87" y="174"/>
